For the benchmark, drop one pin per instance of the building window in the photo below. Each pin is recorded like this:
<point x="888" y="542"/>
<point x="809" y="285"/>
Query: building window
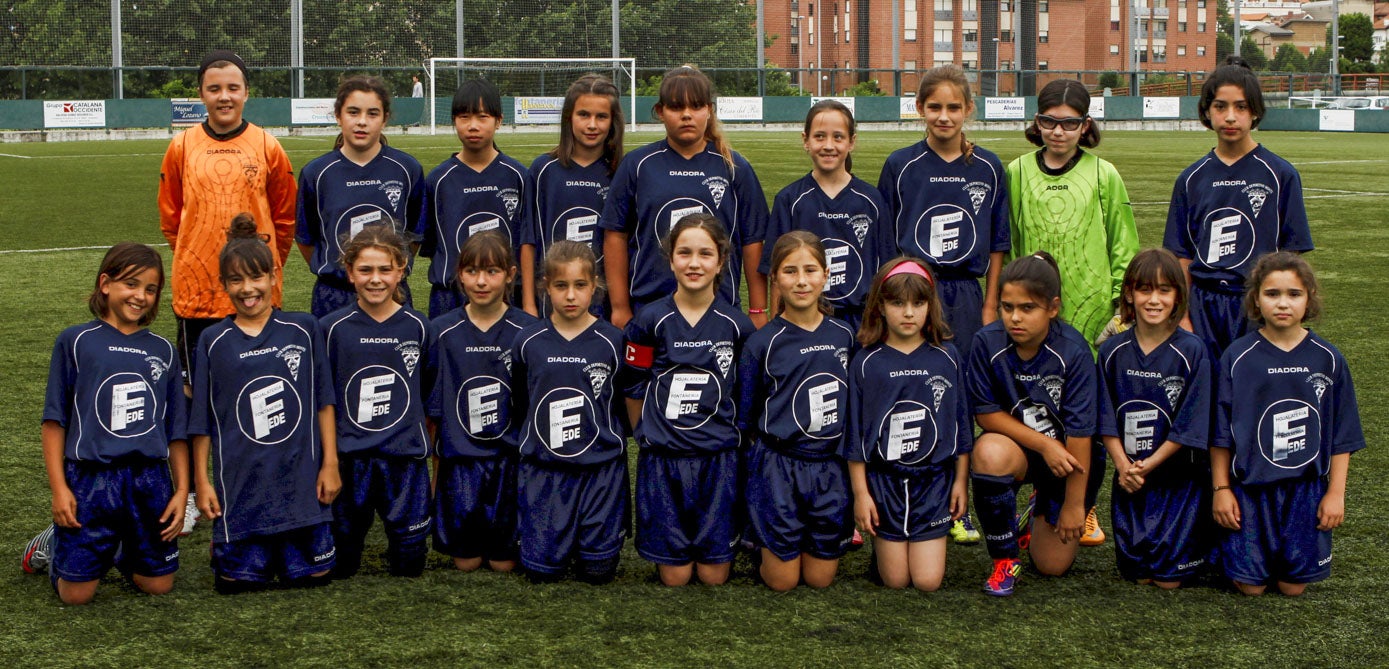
<point x="1200" y="4"/>
<point x="909" y="65"/>
<point x="970" y="35"/>
<point x="1143" y="56"/>
<point x="812" y="10"/>
<point x="1200" y="51"/>
<point x="1005" y="36"/>
<point x="1181" y="49"/>
<point x="1043" y="6"/>
<point x="1181" y="26"/>
<point x="1200" y="26"/>
<point x="1114" y="26"/>
<point x="1042" y="36"/>
<point x="1004" y="6"/>
<point x="1159" y="56"/>
<point x="909" y="20"/>
<point x="1114" y="49"/>
<point x="1042" y="65"/>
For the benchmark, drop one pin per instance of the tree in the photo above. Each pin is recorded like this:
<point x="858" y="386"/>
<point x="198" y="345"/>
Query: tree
<point x="1288" y="58"/>
<point x="1357" y="38"/>
<point x="1224" y="46"/>
<point x="1251" y="52"/>
<point x="1319" y="60"/>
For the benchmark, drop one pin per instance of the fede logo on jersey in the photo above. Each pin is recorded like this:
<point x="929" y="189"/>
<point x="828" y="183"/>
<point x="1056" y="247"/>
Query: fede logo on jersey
<point x="1289" y="434"/>
<point x="1145" y="426"/>
<point x="355" y="218"/>
<point x="577" y="224"/>
<point x="671" y="212"/>
<point x="268" y="410"/>
<point x="565" y="422"/>
<point x="949" y="231"/>
<point x="820" y="405"/>
<point x="477" y="222"/>
<point x="907" y="434"/>
<point x="688" y="396"/>
<point x="126" y="405"/>
<point x="484" y="407"/>
<point x="1230" y="238"/>
<point x="845" y="268"/>
<point x="377" y="398"/>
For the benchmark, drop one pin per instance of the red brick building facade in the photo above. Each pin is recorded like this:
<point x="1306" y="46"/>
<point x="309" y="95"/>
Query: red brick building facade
<point x="852" y="40"/>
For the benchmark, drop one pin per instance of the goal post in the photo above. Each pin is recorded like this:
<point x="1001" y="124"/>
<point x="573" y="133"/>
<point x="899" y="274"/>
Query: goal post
<point x="526" y="77"/>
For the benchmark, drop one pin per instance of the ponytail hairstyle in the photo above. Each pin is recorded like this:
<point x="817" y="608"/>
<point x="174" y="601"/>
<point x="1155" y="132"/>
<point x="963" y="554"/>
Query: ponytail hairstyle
<point x="122" y="261"/>
<point x="247" y="250"/>
<point x="1282" y="261"/>
<point x="701" y="221"/>
<point x="949" y="75"/>
<point x="1038" y="274"/>
<point x="363" y="84"/>
<point x="687" y="87"/>
<point x="566" y="251"/>
<point x="1065" y="93"/>
<point x="828" y="105"/>
<point x="791" y="242"/>
<point x="1235" y="72"/>
<point x="591" y="84"/>
<point x="1148" y="270"/>
<point x="381" y="236"/>
<point x="489" y="248"/>
<point x="909" y="279"/>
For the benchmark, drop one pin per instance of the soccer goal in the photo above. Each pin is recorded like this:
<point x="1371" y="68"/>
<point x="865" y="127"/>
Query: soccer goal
<point x="536" y="85"/>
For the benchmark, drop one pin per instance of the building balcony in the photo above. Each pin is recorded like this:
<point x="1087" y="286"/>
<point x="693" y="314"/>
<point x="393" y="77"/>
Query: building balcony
<point x="943" y="46"/>
<point x="944" y="15"/>
<point x="971" y="47"/>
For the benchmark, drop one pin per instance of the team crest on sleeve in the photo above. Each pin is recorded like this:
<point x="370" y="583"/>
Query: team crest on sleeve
<point x="717" y="187"/>
<point x="978" y="191"/>
<point x="938" y="385"/>
<point x="1053" y="385"/>
<point x="510" y="199"/>
<point x="598" y="374"/>
<point x="292" y="355"/>
<point x="1320" y="382"/>
<point x="410" y="355"/>
<point x="860" y="223"/>
<point x="723" y="355"/>
<point x="158" y="367"/>
<point x="393" y="190"/>
<point x="1173" y="386"/>
<point x="1257" y="194"/>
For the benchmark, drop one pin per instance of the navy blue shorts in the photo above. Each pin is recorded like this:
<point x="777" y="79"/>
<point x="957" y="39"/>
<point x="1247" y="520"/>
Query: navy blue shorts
<point x="475" y="508"/>
<point x="1161" y="532"/>
<point x="1278" y="539"/>
<point x="962" y="304"/>
<point x="1217" y="317"/>
<point x="571" y="513"/>
<point x="914" y="507"/>
<point x="1051" y="491"/>
<point x="289" y="555"/>
<point x="687" y="508"/>
<point x="397" y="489"/>
<point x="118" y="506"/>
<point x="799" y="506"/>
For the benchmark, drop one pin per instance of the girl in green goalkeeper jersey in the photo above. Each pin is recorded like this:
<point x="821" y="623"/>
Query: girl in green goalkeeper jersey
<point x="1072" y="204"/>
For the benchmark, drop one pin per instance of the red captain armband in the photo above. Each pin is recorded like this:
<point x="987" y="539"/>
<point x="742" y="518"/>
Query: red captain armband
<point x="639" y="356"/>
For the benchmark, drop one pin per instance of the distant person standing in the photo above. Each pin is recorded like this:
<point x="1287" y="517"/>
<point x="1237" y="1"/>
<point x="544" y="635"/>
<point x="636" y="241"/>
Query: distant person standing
<point x="418" y="90"/>
<point x="211" y="173"/>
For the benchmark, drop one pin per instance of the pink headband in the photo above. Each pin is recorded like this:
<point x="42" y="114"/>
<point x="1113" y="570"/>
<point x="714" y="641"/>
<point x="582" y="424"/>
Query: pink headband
<point x="910" y="267"/>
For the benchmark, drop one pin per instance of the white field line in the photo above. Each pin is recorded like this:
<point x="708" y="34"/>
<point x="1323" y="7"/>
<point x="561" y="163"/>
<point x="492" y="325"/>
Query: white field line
<point x="64" y="248"/>
<point x="14" y="155"/>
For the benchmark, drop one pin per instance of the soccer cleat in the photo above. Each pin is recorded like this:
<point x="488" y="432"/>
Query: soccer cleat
<point x="39" y="553"/>
<point x="1024" y="522"/>
<point x="1094" y="536"/>
<point x="1004" y="578"/>
<point x="963" y="532"/>
<point x="856" y="541"/>
<point x="190" y="516"/>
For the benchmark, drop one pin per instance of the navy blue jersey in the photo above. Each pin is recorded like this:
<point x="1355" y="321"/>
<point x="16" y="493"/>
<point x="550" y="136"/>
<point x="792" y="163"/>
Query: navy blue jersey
<point x="567" y="201"/>
<point x="258" y="399"/>
<point x="117" y="395"/>
<point x="1292" y="411"/>
<point x="460" y="202"/>
<point x="472" y="392"/>
<point x="685" y="376"/>
<point x="337" y="197"/>
<point x="566" y="391"/>
<point x="793" y="386"/>
<point x="951" y="214"/>
<point x="1054" y="393"/>
<point x="1223" y="217"/>
<point x="655" y="187"/>
<point x="1148" y="399"/>
<point x="908" y="410"/>
<point x="854" y="227"/>
<point x="378" y="377"/>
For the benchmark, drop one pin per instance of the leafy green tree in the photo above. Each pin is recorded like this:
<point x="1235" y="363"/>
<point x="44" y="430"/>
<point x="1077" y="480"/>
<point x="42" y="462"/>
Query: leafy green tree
<point x="1253" y="54"/>
<point x="1319" y="60"/>
<point x="1288" y="58"/>
<point x="1224" y="46"/>
<point x="1357" y="38"/>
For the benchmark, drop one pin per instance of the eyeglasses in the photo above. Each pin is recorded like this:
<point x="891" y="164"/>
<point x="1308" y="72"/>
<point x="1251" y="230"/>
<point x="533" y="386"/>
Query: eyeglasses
<point x="1071" y="124"/>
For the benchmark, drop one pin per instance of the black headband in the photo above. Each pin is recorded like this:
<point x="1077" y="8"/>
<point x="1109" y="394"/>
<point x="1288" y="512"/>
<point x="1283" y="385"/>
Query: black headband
<point x="220" y="55"/>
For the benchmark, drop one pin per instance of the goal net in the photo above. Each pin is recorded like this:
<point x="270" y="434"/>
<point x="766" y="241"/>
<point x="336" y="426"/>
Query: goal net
<point x="534" y="86"/>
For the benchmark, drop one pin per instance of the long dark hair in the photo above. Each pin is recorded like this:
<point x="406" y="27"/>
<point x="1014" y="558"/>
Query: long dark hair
<point x="1065" y="93"/>
<point x="902" y="286"/>
<point x="124" y="260"/>
<point x="591" y="84"/>
<point x="829" y="105"/>
<point x="362" y="84"/>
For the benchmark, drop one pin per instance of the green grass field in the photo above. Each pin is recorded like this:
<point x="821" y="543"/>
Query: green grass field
<point x="96" y="193"/>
